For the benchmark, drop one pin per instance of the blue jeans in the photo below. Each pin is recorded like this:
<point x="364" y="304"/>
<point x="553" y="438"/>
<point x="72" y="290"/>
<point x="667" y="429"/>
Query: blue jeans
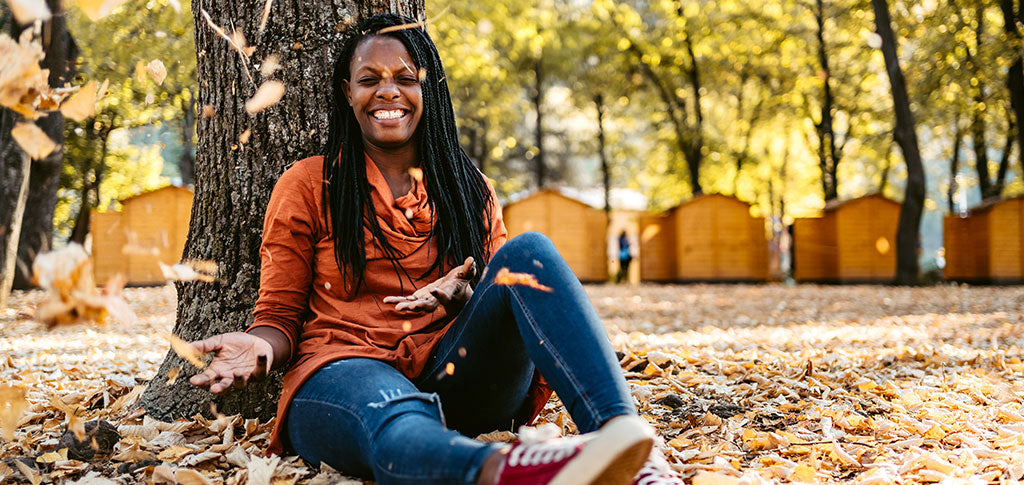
<point x="363" y="417"/>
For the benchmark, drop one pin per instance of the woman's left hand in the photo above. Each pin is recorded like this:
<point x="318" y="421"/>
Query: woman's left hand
<point x="451" y="291"/>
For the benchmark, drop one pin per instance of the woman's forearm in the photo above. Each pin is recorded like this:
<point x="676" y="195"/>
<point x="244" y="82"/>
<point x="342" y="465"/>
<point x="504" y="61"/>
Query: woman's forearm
<point x="278" y="341"/>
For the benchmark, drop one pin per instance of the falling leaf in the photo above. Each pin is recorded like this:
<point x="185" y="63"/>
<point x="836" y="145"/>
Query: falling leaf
<point x="82" y="104"/>
<point x="71" y="295"/>
<point x="208" y="111"/>
<point x="12" y="404"/>
<point x="184" y="349"/>
<point x="231" y="42"/>
<point x="24" y="86"/>
<point x="157" y="71"/>
<point x="33" y="140"/>
<point x="97" y="9"/>
<point x="28" y="11"/>
<point x="172" y="375"/>
<point x="244" y="137"/>
<point x="449" y="368"/>
<point x="406" y="326"/>
<point x="416" y="173"/>
<point x="270" y="64"/>
<point x="191" y="270"/>
<point x="508" y="278"/>
<point x="266" y="15"/>
<point x="266" y="96"/>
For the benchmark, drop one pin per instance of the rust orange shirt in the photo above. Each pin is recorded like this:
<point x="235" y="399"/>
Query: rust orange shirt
<point x="302" y="293"/>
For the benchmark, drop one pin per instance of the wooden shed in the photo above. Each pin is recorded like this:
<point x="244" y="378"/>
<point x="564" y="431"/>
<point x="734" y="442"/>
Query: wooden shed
<point x="988" y="244"/>
<point x="852" y="241"/>
<point x="711" y="237"/>
<point x="578" y="230"/>
<point x="150" y="228"/>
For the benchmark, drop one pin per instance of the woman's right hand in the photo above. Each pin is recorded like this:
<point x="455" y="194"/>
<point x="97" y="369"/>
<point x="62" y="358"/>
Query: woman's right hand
<point x="239" y="357"/>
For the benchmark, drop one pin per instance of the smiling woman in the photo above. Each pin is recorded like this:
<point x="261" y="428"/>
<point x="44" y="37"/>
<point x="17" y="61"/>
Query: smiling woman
<point x="397" y="346"/>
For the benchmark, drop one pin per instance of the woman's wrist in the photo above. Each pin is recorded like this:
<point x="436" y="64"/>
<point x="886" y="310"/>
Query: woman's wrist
<point x="279" y="344"/>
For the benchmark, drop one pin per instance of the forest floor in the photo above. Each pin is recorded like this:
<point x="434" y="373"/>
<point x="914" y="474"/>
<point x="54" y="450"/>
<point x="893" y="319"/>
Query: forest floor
<point x="746" y="384"/>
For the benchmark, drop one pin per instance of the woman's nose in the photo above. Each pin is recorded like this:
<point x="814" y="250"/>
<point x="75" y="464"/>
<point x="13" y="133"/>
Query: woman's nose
<point x="388" y="91"/>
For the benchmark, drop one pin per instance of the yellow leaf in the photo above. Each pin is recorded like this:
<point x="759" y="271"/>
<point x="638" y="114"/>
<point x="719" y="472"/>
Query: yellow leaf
<point x="172" y="375"/>
<point x="33" y="140"/>
<point x="12" y="404"/>
<point x="97" y="9"/>
<point x="53" y="456"/>
<point x="804" y="473"/>
<point x="935" y="432"/>
<point x="184" y="349"/>
<point x="82" y="104"/>
<point x="652" y="370"/>
<point x="709" y="478"/>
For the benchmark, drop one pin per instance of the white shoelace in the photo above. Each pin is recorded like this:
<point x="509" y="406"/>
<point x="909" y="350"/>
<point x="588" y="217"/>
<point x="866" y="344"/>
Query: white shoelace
<point x="541" y="453"/>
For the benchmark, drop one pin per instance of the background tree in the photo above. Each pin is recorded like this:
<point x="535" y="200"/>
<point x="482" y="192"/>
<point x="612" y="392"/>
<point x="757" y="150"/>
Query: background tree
<point x="235" y="173"/>
<point x="34" y="234"/>
<point x="905" y="134"/>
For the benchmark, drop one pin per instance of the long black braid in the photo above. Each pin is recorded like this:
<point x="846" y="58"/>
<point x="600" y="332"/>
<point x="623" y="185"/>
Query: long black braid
<point x="457" y="191"/>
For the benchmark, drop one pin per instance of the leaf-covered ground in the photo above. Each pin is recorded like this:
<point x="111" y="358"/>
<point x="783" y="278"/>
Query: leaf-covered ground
<point x="746" y="384"/>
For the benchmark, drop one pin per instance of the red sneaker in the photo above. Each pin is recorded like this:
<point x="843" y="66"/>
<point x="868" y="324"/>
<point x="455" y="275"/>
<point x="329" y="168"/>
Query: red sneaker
<point x="609" y="456"/>
<point x="657" y="471"/>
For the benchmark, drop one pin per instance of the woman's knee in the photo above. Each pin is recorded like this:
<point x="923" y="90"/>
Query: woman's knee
<point x="528" y="245"/>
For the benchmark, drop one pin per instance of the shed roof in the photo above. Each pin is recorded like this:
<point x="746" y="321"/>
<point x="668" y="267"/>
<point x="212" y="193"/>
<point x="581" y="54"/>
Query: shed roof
<point x="836" y="204"/>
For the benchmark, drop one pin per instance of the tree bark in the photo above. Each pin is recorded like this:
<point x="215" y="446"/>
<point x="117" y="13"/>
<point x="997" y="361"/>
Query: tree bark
<point x="695" y="154"/>
<point x="954" y="166"/>
<point x="234" y="181"/>
<point x="538" y="101"/>
<point x="827" y="153"/>
<point x="1015" y="75"/>
<point x="1004" y="159"/>
<point x="36" y="234"/>
<point x="907" y="234"/>
<point x="13" y="231"/>
<point x="606" y="176"/>
<point x="187" y="160"/>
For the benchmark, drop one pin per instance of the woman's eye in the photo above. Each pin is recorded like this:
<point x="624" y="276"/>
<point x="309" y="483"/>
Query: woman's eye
<point x="367" y="80"/>
<point x="409" y="79"/>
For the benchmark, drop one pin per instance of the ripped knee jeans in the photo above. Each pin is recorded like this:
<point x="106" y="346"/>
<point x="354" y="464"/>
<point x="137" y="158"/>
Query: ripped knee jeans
<point x="363" y="417"/>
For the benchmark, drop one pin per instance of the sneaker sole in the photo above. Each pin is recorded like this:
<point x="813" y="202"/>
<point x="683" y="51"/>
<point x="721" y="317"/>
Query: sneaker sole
<point x="613" y="457"/>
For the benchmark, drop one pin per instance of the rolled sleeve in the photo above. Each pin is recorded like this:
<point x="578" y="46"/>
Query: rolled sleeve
<point x="290" y="232"/>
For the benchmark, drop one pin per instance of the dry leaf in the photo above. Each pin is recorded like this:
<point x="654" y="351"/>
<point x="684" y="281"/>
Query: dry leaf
<point x="192" y="270"/>
<point x="270" y="64"/>
<point x="508" y="278"/>
<point x="172" y="375"/>
<point x="416" y="173"/>
<point x="184" y="476"/>
<point x="244" y="137"/>
<point x="208" y="111"/>
<point x="265" y="17"/>
<point x="24" y="86"/>
<point x="71" y="296"/>
<point x="262" y="469"/>
<point x="97" y="9"/>
<point x="157" y="71"/>
<point x="184" y="349"/>
<point x="12" y="404"/>
<point x="33" y="140"/>
<point x="266" y="96"/>
<point x="28" y="472"/>
<point x="82" y="104"/>
<point x="28" y="11"/>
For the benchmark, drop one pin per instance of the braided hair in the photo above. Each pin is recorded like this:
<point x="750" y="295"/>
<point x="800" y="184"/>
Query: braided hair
<point x="457" y="192"/>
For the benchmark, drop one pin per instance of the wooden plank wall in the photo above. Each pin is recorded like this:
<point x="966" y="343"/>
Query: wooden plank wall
<point x="866" y="236"/>
<point x="1005" y="241"/>
<point x="577" y="231"/>
<point x="815" y="249"/>
<point x="657" y="247"/>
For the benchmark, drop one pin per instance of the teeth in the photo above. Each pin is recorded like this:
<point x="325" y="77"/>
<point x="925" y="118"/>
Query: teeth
<point x="388" y="115"/>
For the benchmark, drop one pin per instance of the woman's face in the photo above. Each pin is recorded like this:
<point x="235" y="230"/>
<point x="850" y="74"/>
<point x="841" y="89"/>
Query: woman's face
<point x="384" y="92"/>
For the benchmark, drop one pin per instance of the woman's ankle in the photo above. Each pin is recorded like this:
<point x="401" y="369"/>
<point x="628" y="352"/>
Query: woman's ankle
<point x="491" y="468"/>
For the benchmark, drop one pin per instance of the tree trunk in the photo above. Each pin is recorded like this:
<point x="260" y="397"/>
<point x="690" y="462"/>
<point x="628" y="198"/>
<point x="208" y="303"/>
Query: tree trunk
<point x="954" y="166"/>
<point x="696" y="150"/>
<point x="90" y="194"/>
<point x="907" y="234"/>
<point x="36" y="234"/>
<point x="187" y="160"/>
<point x="606" y="176"/>
<point x="1004" y="160"/>
<point x="1015" y="75"/>
<point x="234" y="181"/>
<point x="13" y="231"/>
<point x="538" y="101"/>
<point x="978" y="127"/>
<point x="827" y="154"/>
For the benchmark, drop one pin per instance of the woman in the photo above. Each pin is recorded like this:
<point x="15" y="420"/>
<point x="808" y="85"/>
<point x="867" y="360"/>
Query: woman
<point x="386" y="386"/>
